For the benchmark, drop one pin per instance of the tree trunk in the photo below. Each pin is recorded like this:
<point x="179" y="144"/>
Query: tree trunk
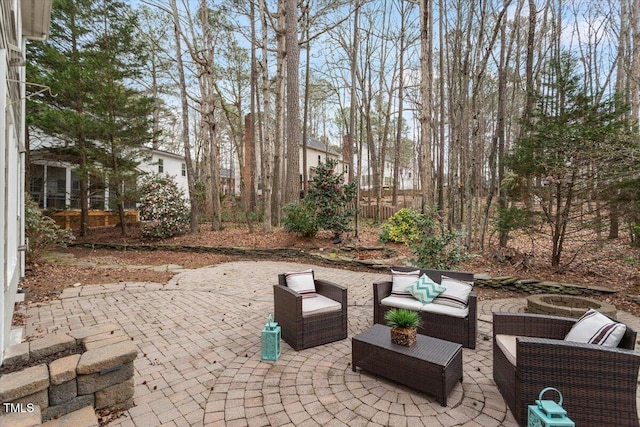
<point x="396" y="158"/>
<point x="305" y="175"/>
<point x="292" y="186"/>
<point x="352" y="116"/>
<point x="185" y="120"/>
<point x="426" y="46"/>
<point x="267" y="145"/>
<point x="441" y="144"/>
<point x="278" y="190"/>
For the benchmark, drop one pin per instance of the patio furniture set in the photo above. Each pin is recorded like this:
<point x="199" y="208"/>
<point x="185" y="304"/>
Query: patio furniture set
<point x="591" y="359"/>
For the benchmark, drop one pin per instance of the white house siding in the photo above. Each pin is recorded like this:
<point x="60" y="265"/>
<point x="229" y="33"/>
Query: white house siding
<point x="318" y="152"/>
<point x="314" y="157"/>
<point x="12" y="108"/>
<point x="172" y="164"/>
<point x="55" y="184"/>
<point x="408" y="179"/>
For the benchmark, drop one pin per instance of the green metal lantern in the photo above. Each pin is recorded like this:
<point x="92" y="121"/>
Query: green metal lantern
<point x="271" y="340"/>
<point x="547" y="413"/>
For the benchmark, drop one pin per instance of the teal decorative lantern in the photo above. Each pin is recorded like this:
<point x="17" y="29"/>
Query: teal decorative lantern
<point x="271" y="340"/>
<point x="547" y="413"/>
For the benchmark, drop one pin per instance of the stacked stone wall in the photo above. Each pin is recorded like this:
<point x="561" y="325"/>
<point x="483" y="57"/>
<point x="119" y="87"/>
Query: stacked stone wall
<point x="95" y="369"/>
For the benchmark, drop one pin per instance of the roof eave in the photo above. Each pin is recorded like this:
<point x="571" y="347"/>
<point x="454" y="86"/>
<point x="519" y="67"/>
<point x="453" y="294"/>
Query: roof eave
<point x="36" y="18"/>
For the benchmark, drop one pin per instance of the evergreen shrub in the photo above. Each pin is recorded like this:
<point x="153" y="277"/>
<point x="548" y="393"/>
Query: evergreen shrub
<point x="42" y="232"/>
<point x="163" y="207"/>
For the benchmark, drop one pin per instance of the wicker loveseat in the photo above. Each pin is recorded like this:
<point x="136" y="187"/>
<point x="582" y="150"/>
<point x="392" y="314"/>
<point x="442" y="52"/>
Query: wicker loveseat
<point x="598" y="383"/>
<point x="461" y="330"/>
<point x="304" y="331"/>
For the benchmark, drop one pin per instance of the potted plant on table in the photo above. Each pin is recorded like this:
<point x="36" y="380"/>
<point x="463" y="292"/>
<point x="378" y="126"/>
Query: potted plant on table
<point x="404" y="325"/>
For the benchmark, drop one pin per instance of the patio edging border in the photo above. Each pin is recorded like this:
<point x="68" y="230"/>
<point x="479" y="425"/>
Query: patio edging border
<point x="527" y="285"/>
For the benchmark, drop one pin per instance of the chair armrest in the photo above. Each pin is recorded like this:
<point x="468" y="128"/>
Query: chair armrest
<point x="532" y="325"/>
<point x="381" y="290"/>
<point x="581" y="351"/>
<point x="473" y="305"/>
<point x="543" y="361"/>
<point x="332" y="290"/>
<point x="286" y="300"/>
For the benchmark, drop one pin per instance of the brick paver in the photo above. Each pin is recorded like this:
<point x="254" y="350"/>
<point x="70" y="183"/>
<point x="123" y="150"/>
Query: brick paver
<point x="199" y="360"/>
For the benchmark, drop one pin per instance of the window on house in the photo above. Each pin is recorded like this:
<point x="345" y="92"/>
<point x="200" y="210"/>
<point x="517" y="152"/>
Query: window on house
<point x="319" y="159"/>
<point x="184" y="170"/>
<point x="160" y="165"/>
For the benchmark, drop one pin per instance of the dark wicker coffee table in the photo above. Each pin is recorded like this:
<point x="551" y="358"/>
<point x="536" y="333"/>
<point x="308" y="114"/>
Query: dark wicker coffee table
<point x="432" y="365"/>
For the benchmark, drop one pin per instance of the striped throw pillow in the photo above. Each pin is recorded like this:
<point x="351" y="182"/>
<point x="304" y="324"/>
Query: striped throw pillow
<point x="596" y="328"/>
<point x="400" y="280"/>
<point x="424" y="289"/>
<point x="456" y="293"/>
<point x="302" y="282"/>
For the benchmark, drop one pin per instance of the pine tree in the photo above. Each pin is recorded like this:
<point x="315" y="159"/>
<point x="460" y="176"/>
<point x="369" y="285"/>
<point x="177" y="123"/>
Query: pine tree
<point x="331" y="197"/>
<point x="568" y="147"/>
<point x="90" y="63"/>
<point x="62" y="65"/>
<point x="123" y="113"/>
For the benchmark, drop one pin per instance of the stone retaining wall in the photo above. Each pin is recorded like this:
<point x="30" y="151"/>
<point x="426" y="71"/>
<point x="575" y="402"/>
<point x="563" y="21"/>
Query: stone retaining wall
<point x="534" y="286"/>
<point x="101" y="375"/>
<point x="567" y="305"/>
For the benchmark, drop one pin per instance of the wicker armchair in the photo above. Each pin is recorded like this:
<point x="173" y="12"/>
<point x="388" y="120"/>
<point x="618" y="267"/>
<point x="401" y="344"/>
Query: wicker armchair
<point x="459" y="330"/>
<point x="598" y="383"/>
<point x="309" y="331"/>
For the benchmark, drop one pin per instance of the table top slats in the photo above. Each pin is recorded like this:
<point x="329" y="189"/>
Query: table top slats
<point x="427" y="348"/>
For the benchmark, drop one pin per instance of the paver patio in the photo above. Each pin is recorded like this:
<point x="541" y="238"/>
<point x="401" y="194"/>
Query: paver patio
<point x="199" y="361"/>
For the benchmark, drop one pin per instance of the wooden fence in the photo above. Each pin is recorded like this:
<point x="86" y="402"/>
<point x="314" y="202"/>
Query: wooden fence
<point x="70" y="219"/>
<point x="369" y="211"/>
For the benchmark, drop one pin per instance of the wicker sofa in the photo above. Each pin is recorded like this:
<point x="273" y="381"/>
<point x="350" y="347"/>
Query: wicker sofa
<point x="598" y="383"/>
<point x="461" y="330"/>
<point x="300" y="331"/>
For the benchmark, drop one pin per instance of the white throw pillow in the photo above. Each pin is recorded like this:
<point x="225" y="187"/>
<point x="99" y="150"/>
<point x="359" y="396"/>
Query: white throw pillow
<point x="302" y="282"/>
<point x="596" y="328"/>
<point x="400" y="280"/>
<point x="424" y="289"/>
<point x="456" y="293"/>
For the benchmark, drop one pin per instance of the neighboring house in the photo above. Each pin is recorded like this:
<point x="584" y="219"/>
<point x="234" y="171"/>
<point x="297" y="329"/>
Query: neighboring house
<point x="228" y="182"/>
<point x="20" y="20"/>
<point x="159" y="161"/>
<point x="318" y="152"/>
<point x="54" y="183"/>
<point x="407" y="177"/>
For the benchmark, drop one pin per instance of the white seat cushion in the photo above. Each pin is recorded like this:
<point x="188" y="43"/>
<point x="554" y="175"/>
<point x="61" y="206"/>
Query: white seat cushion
<point x="508" y="345"/>
<point x="319" y="304"/>
<point x="446" y="309"/>
<point x="402" y="302"/>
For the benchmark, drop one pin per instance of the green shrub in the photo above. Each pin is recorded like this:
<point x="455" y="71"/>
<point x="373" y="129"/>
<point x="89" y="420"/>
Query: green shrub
<point x="441" y="252"/>
<point x="42" y="231"/>
<point x="326" y="206"/>
<point x="300" y="218"/>
<point x="163" y="207"/>
<point x="438" y="247"/>
<point x="405" y="226"/>
<point x="635" y="235"/>
<point x="402" y="318"/>
<point x="331" y="198"/>
<point x="512" y="218"/>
